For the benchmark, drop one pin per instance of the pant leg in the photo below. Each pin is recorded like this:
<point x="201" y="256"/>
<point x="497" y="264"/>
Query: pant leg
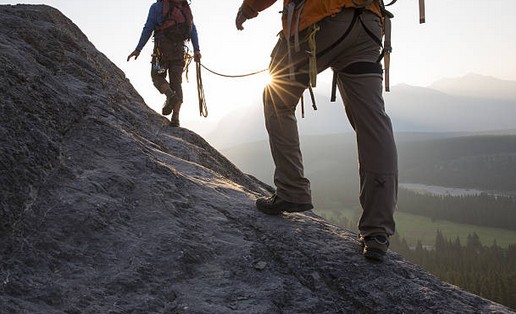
<point x="160" y="80"/>
<point x="175" y="75"/>
<point x="364" y="104"/>
<point x="377" y="151"/>
<point x="280" y="99"/>
<point x="172" y="60"/>
<point x="377" y="155"/>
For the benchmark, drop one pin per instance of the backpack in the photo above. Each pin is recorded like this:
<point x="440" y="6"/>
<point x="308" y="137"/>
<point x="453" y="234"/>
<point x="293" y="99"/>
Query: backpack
<point x="177" y="20"/>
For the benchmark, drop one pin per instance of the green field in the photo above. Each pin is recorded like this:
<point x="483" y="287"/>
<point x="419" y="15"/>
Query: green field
<point x="415" y="227"/>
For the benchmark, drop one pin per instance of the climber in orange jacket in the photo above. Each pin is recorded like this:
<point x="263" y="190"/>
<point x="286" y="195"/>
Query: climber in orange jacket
<point x="344" y="35"/>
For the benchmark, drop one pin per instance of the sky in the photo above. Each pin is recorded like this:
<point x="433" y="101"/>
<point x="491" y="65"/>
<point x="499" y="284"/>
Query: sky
<point x="458" y="38"/>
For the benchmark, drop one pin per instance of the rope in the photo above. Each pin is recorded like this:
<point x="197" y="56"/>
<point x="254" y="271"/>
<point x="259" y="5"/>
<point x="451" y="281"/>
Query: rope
<point x="233" y="76"/>
<point x="203" y="108"/>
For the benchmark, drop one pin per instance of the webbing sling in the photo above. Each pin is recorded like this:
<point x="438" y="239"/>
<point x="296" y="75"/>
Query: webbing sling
<point x="421" y="11"/>
<point x="291" y="8"/>
<point x="386" y="52"/>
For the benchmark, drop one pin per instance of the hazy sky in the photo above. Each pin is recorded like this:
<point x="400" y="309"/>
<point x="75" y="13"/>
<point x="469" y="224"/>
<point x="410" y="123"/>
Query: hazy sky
<point x="460" y="37"/>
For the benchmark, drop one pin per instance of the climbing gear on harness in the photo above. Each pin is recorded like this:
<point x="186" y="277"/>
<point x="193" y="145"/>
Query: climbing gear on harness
<point x="156" y="62"/>
<point x="312" y="57"/>
<point x="294" y="5"/>
<point x="312" y="97"/>
<point x="293" y="31"/>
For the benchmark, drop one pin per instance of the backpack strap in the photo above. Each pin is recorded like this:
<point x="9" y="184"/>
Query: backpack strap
<point x="167" y="9"/>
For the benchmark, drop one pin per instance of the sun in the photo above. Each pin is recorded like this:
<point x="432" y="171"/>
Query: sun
<point x="264" y="78"/>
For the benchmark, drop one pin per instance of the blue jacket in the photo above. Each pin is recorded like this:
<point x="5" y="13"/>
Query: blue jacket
<point x="154" y="19"/>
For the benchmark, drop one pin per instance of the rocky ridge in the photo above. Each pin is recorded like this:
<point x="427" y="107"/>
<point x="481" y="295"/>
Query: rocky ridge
<point x="104" y="208"/>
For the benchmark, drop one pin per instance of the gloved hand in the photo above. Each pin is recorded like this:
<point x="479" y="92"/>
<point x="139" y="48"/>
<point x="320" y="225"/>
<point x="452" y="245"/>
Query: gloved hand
<point x="197" y="56"/>
<point x="240" y="19"/>
<point x="134" y="54"/>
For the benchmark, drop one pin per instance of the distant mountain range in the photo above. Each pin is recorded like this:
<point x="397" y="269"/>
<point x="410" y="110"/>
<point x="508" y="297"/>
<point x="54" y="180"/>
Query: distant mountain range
<point x="477" y="86"/>
<point x="462" y="160"/>
<point x="472" y="103"/>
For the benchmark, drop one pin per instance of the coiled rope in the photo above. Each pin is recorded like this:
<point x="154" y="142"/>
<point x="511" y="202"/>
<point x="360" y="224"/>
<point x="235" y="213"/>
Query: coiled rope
<point x="203" y="108"/>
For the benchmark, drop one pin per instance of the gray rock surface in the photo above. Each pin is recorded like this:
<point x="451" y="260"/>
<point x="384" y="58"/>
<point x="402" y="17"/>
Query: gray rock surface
<point x="104" y="208"/>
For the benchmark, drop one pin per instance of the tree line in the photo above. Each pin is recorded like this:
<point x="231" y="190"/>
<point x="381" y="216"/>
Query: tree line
<point x="482" y="210"/>
<point x="488" y="271"/>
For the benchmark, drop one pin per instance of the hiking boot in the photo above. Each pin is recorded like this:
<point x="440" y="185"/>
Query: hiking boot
<point x="375" y="247"/>
<point x="172" y="100"/>
<point x="274" y="205"/>
<point x="174" y="122"/>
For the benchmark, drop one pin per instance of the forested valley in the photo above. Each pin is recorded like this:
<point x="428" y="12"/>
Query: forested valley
<point x="486" y="270"/>
<point x="485" y="210"/>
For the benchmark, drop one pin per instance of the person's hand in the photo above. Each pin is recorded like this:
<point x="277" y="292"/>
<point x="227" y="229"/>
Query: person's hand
<point x="134" y="54"/>
<point x="240" y="19"/>
<point x="197" y="56"/>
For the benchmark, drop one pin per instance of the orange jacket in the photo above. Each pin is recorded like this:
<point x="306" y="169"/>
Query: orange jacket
<point x="313" y="11"/>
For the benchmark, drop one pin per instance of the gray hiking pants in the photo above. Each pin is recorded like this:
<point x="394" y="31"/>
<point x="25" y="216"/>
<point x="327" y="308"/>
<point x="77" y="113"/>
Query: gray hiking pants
<point x="360" y="85"/>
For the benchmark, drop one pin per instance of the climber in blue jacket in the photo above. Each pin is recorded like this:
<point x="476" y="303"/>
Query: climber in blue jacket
<point x="171" y="22"/>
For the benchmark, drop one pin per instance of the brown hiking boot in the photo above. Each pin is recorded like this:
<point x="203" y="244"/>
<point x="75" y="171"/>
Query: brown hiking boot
<point x="174" y="122"/>
<point x="375" y="247"/>
<point x="274" y="205"/>
<point x="170" y="103"/>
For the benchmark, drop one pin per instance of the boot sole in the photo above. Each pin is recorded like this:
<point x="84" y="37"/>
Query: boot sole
<point x="374" y="254"/>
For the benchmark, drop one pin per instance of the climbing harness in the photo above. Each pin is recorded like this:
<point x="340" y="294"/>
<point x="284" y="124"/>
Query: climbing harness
<point x="292" y="13"/>
<point x="387" y="47"/>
